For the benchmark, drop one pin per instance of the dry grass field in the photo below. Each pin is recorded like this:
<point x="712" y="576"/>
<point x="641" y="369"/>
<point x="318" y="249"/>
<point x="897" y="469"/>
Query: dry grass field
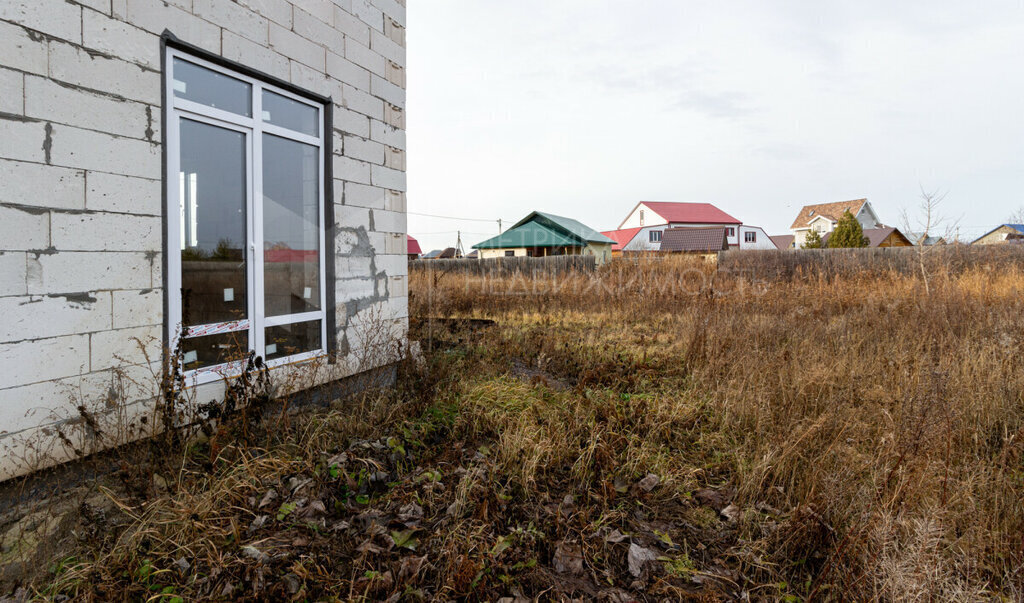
<point x="651" y="431"/>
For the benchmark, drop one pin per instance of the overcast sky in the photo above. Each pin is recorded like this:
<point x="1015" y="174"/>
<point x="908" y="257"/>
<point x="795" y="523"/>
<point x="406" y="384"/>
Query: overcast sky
<point x="584" y="107"/>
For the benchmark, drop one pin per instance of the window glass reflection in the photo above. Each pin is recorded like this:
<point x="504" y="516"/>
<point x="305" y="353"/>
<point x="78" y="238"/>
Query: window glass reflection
<point x="288" y="340"/>
<point x="291" y="220"/>
<point x="212" y="185"/>
<point x="211" y="88"/>
<point x="287" y="113"/>
<point x="211" y="350"/>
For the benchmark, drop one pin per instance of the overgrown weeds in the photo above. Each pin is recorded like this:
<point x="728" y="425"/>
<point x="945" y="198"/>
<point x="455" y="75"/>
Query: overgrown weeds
<point x="662" y="433"/>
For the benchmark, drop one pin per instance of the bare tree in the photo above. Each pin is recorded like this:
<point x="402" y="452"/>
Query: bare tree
<point x="928" y="222"/>
<point x="1016" y="217"/>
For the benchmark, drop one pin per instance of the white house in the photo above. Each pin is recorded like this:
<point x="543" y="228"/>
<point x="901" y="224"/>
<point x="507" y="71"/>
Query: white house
<point x="643" y="227"/>
<point x="224" y="176"/>
<point x="666" y="214"/>
<point x="754" y="237"/>
<point x="823" y="218"/>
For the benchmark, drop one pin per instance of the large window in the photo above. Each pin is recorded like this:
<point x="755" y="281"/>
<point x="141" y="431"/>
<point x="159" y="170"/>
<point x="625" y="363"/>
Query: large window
<point x="245" y="185"/>
<point x="655" y="236"/>
<point x="750" y="236"/>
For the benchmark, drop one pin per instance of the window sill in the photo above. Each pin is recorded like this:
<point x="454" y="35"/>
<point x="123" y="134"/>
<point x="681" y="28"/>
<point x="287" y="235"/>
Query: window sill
<point x="232" y="370"/>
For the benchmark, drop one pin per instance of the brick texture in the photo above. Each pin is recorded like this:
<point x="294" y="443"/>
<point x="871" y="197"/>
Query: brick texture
<point x="82" y="238"/>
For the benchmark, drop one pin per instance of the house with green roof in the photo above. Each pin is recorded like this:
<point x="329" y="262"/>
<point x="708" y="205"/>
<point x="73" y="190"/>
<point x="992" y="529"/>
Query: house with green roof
<point x="541" y="234"/>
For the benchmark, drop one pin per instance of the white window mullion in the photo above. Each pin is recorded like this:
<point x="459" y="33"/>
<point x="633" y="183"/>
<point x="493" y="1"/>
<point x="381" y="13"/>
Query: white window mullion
<point x="256" y="205"/>
<point x="324" y="145"/>
<point x="174" y="191"/>
<point x="287" y="319"/>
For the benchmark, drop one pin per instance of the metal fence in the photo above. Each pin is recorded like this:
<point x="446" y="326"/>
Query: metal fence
<point x="508" y="266"/>
<point x="951" y="259"/>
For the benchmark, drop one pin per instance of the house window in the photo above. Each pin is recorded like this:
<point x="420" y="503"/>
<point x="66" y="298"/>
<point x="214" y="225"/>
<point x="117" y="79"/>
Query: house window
<point x="730" y="231"/>
<point x="655" y="236"/>
<point x="750" y="237"/>
<point x="245" y="185"/>
<point x="510" y="253"/>
<point x="641" y="217"/>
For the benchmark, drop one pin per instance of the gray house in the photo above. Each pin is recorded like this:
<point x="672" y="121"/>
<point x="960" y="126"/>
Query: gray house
<point x="223" y="178"/>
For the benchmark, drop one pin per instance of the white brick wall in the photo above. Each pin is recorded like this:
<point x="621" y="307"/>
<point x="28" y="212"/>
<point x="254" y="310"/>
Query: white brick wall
<point x="58" y="19"/>
<point x="41" y="185"/>
<point x="46" y="99"/>
<point x="52" y="316"/>
<point x="12" y="273"/>
<point x="42" y="360"/>
<point x="123" y="194"/>
<point x="25" y="228"/>
<point x="13" y="85"/>
<point x="81" y="176"/>
<point x="74" y="271"/>
<point x="73" y="65"/>
<point x="105" y="232"/>
<point x="20" y="51"/>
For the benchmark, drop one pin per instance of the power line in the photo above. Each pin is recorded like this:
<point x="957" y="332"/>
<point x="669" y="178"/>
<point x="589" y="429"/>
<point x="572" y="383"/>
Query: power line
<point x="413" y="213"/>
<point x="443" y="232"/>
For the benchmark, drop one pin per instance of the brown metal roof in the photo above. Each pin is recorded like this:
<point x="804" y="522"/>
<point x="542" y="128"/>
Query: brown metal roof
<point x="876" y="236"/>
<point x="783" y="241"/>
<point x="832" y="211"/>
<point x="694" y="239"/>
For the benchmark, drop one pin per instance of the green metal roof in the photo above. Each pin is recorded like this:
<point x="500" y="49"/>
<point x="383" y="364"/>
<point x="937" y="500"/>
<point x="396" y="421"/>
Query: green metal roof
<point x="545" y="230"/>
<point x="531" y="234"/>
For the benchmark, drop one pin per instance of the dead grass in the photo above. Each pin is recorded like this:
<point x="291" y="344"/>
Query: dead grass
<point x="811" y="439"/>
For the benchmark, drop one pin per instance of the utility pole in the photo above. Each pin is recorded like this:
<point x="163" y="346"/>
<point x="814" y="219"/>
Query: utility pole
<point x="499" y="225"/>
<point x="458" y="245"/>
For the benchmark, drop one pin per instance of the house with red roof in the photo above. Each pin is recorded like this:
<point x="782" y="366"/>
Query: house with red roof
<point x="643" y="228"/>
<point x="413" y="247"/>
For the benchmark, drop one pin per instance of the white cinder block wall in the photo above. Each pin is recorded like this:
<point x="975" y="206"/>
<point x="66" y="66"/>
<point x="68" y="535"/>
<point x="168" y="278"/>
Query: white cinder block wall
<point x="81" y="186"/>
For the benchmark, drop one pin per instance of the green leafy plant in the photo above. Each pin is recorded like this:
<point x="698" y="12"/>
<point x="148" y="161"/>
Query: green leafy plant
<point x="405" y="539"/>
<point x="285" y="510"/>
<point x="812" y="240"/>
<point x="848" y="233"/>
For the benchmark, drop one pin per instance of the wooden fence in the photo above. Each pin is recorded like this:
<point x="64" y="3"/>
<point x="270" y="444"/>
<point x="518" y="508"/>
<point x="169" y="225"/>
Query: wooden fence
<point x="501" y="267"/>
<point x="828" y="263"/>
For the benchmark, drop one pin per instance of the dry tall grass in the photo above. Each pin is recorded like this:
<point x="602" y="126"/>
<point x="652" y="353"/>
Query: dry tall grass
<point x="885" y="423"/>
<point x="650" y="431"/>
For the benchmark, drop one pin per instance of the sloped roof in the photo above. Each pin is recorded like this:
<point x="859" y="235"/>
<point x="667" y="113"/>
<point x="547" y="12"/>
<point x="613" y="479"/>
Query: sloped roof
<point x="621" y="237"/>
<point x="694" y="239"/>
<point x="530" y="234"/>
<point x="432" y="254"/>
<point x="783" y="241"/>
<point x="1018" y="227"/>
<point x="687" y="213"/>
<point x="918" y="238"/>
<point x="540" y="229"/>
<point x="832" y="211"/>
<point x="412" y="245"/>
<point x="876" y="236"/>
<point x="575" y="227"/>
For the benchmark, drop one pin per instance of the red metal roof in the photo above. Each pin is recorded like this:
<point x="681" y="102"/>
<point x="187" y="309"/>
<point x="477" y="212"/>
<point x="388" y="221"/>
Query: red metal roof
<point x="413" y="246"/>
<point x="690" y="213"/>
<point x="621" y="237"/>
<point x="286" y="256"/>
